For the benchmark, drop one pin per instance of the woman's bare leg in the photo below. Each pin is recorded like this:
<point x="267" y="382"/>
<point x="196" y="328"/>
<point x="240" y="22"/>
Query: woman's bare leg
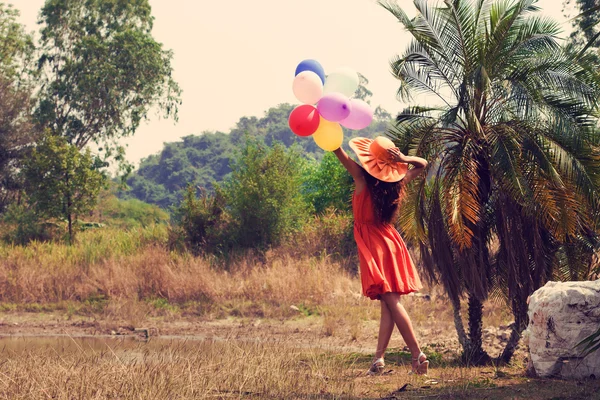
<point x="386" y="328"/>
<point x="402" y="320"/>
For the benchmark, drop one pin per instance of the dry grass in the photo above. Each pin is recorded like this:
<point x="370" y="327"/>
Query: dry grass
<point x="109" y="369"/>
<point x="131" y="269"/>
<point x="131" y="277"/>
<point x="172" y="370"/>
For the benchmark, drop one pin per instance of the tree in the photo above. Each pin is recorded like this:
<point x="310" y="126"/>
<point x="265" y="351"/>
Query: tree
<point x="16" y="46"/>
<point x="203" y="159"/>
<point x="102" y="71"/>
<point x="328" y="184"/>
<point x="60" y="181"/>
<point x="263" y="194"/>
<point x="362" y="93"/>
<point x="511" y="189"/>
<point x="585" y="33"/>
<point x="17" y="134"/>
<point x="16" y="130"/>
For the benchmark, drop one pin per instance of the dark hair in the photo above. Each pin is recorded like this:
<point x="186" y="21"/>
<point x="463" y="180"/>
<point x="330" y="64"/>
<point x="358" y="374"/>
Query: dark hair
<point x="386" y="197"/>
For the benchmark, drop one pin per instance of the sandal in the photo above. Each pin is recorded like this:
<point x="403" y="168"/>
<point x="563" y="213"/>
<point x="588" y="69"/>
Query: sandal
<point x="422" y="366"/>
<point x="377" y="367"/>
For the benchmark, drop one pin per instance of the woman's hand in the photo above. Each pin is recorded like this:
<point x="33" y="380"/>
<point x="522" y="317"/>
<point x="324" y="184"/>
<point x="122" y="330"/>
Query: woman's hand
<point x="418" y="163"/>
<point x="397" y="155"/>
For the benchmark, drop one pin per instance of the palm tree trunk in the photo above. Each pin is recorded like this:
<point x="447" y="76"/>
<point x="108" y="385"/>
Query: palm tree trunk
<point x="458" y="323"/>
<point x="521" y="321"/>
<point x="474" y="354"/>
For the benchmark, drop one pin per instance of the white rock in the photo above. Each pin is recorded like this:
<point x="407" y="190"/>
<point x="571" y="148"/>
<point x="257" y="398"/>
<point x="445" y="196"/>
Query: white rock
<point x="561" y="315"/>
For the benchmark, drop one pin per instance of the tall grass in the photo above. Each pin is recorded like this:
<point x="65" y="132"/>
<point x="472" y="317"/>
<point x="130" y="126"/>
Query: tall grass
<point x="136" y="265"/>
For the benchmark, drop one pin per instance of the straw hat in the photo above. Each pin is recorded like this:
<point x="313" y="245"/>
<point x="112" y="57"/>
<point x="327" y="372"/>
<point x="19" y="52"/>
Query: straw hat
<point x="375" y="159"/>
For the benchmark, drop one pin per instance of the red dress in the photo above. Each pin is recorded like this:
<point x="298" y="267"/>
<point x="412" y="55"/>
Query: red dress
<point x="385" y="264"/>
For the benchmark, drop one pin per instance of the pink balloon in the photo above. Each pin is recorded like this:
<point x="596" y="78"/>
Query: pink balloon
<point x="308" y="87"/>
<point x="360" y="117"/>
<point x="334" y="107"/>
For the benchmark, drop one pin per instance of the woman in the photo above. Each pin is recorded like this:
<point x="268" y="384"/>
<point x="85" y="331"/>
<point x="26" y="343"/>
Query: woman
<point x="386" y="269"/>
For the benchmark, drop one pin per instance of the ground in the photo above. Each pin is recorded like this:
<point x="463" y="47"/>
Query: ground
<point x="324" y="360"/>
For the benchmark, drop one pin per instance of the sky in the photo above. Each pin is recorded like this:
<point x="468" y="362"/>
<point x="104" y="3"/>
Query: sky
<point x="237" y="58"/>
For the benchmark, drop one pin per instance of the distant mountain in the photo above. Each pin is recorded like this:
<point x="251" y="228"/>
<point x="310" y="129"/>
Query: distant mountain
<point x="203" y="159"/>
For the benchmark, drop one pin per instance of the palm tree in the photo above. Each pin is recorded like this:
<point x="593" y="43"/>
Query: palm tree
<point x="510" y="195"/>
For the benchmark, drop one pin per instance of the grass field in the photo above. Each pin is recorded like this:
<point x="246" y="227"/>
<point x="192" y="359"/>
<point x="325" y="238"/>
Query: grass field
<point x="74" y="323"/>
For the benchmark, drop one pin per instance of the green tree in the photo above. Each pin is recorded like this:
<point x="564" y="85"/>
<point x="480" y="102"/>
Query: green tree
<point x="585" y="25"/>
<point x="17" y="134"/>
<point x="16" y="46"/>
<point x="16" y="130"/>
<point x="204" y="159"/>
<point x="511" y="192"/>
<point x="102" y="71"/>
<point x="363" y="93"/>
<point x="60" y="181"/>
<point x="263" y="194"/>
<point x="328" y="184"/>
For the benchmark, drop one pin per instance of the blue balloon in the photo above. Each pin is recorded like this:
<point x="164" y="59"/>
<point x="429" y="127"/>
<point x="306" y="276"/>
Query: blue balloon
<point x="311" y="65"/>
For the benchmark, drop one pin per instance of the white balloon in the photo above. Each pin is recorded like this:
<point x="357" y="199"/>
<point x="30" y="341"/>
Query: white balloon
<point x="343" y="80"/>
<point x="308" y="87"/>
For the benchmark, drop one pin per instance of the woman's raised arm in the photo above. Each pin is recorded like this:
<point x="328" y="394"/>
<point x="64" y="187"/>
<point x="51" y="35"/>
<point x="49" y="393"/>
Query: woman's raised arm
<point x="355" y="170"/>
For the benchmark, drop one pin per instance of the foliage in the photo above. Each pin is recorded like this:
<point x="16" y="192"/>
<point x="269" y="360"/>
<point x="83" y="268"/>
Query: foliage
<point x="127" y="214"/>
<point x="330" y="234"/>
<point x="21" y="225"/>
<point x="512" y="150"/>
<point x="201" y="225"/>
<point x="16" y="46"/>
<point x="203" y="159"/>
<point x="60" y="181"/>
<point x="328" y="184"/>
<point x="16" y="135"/>
<point x="263" y="196"/>
<point x="590" y="344"/>
<point x="102" y="71"/>
<point x="585" y="25"/>
<point x="16" y="130"/>
<point x="196" y="160"/>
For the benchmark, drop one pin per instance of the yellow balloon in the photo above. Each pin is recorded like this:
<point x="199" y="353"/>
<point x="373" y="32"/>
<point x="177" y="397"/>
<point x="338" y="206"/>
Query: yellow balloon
<point x="329" y="135"/>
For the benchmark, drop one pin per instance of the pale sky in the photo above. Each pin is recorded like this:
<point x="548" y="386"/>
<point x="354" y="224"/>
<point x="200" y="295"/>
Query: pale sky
<point x="237" y="58"/>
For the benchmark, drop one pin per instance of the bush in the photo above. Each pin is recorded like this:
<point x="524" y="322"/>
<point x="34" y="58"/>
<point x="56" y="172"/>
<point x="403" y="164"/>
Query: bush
<point x="126" y="214"/>
<point x="330" y="234"/>
<point x="201" y="225"/>
<point x="21" y="225"/>
<point x="263" y="195"/>
<point x="328" y="184"/>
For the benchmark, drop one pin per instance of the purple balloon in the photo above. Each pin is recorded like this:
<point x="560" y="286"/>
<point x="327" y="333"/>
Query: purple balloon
<point x="360" y="117"/>
<point x="334" y="107"/>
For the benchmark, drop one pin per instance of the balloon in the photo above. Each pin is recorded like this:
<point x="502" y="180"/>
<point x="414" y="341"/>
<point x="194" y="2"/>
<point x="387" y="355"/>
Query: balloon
<point x="334" y="107"/>
<point x="343" y="80"/>
<point x="360" y="117"/>
<point x="329" y="135"/>
<point x="304" y="120"/>
<point x="313" y="66"/>
<point x="307" y="87"/>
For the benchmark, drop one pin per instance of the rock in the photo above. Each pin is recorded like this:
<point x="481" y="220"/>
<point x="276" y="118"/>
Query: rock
<point x="561" y="315"/>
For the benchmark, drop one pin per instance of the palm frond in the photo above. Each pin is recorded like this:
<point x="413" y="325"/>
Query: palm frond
<point x="461" y="191"/>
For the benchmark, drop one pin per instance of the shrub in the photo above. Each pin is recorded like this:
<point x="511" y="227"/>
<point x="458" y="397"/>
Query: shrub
<point x="21" y="225"/>
<point x="263" y="195"/>
<point x="328" y="184"/>
<point x="200" y="224"/>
